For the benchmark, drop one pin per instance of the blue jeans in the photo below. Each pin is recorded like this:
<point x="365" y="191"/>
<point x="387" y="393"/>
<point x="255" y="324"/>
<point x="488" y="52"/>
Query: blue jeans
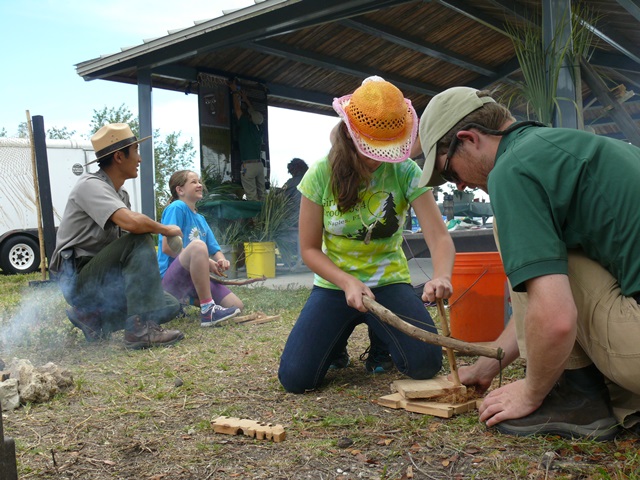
<point x="326" y="322"/>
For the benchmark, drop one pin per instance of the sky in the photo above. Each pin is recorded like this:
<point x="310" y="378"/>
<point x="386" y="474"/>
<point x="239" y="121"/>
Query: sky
<point x="43" y="40"/>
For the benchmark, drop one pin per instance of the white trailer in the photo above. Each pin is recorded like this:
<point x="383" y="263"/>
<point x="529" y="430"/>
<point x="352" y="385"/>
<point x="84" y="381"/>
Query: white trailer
<point x="19" y="245"/>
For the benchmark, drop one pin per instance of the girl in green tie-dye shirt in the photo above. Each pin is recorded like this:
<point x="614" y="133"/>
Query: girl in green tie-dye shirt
<point x="354" y="203"/>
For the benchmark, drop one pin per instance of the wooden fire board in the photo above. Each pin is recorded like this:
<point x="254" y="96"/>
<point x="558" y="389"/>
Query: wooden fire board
<point x="437" y="409"/>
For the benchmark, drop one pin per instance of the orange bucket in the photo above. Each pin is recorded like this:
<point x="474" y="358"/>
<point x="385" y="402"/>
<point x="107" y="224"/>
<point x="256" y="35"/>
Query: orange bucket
<point x="478" y="306"/>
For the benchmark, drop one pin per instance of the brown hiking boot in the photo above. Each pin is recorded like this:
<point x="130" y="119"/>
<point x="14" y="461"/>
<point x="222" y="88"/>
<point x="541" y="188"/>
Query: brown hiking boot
<point x="141" y="334"/>
<point x="89" y="322"/>
<point x="578" y="406"/>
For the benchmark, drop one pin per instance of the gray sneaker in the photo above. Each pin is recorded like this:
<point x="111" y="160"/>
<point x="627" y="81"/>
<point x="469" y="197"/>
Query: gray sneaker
<point x="217" y="315"/>
<point x="578" y="406"/>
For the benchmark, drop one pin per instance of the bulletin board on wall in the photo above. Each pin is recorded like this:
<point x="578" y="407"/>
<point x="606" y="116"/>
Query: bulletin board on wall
<point x="218" y="138"/>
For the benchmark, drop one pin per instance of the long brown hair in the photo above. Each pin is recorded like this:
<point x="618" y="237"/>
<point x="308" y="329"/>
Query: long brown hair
<point x="178" y="179"/>
<point x="349" y="175"/>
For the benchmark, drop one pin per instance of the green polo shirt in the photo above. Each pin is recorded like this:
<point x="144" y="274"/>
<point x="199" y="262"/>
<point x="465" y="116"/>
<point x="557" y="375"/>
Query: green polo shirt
<point x="554" y="189"/>
<point x="249" y="138"/>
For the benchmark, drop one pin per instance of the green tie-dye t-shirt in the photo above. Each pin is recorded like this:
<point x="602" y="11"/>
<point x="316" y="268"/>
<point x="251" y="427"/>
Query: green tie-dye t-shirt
<point x="382" y="212"/>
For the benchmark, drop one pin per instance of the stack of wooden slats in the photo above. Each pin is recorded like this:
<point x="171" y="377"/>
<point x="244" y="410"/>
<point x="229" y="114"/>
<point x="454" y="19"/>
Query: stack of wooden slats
<point x="437" y="396"/>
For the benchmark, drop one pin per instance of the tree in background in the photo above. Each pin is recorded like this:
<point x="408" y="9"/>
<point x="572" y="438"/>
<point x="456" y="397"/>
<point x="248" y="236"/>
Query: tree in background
<point x="122" y="114"/>
<point x="169" y="155"/>
<point x="63" y="133"/>
<point x="54" y="133"/>
<point x="23" y="131"/>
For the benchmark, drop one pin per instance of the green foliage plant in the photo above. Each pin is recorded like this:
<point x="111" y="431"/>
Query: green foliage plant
<point x="60" y="133"/>
<point x="541" y="65"/>
<point x="212" y="178"/>
<point x="168" y="153"/>
<point x="274" y="219"/>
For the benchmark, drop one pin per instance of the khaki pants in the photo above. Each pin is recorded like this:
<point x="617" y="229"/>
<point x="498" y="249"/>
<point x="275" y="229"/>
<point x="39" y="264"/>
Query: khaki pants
<point x="253" y="180"/>
<point x="608" y="333"/>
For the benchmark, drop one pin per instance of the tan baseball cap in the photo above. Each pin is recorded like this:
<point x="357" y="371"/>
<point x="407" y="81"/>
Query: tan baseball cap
<point x="443" y="112"/>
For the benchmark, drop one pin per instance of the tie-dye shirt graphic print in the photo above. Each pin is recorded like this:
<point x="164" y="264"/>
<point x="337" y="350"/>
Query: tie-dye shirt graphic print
<point x="366" y="240"/>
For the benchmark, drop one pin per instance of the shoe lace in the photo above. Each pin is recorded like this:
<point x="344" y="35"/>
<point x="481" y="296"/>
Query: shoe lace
<point x="154" y="326"/>
<point x="364" y="355"/>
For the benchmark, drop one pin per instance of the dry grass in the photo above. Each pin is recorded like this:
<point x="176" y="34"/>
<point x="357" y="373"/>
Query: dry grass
<point x="146" y="414"/>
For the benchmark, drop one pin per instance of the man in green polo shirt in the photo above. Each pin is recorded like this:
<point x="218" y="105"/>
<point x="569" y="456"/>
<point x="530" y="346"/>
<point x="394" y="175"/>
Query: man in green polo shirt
<point x="568" y="228"/>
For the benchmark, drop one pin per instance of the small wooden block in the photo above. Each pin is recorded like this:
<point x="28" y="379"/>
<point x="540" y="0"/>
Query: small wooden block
<point x="395" y="400"/>
<point x="464" y="407"/>
<point x="433" y="387"/>
<point x="250" y="428"/>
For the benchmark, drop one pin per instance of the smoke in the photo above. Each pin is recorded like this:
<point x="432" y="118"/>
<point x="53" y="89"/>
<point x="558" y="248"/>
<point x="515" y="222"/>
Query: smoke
<point x="36" y="318"/>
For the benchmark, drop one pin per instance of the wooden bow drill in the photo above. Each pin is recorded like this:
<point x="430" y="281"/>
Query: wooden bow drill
<point x="466" y="348"/>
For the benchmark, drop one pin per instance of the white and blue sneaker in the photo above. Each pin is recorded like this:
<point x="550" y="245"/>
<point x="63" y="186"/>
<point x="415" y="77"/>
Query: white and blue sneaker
<point x="216" y="315"/>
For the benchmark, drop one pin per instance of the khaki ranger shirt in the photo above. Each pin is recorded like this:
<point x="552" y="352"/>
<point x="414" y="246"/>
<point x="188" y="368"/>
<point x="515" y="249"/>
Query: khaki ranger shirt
<point x="85" y="224"/>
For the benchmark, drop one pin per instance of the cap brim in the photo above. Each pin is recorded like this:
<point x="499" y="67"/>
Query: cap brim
<point x="430" y="176"/>
<point x="125" y="146"/>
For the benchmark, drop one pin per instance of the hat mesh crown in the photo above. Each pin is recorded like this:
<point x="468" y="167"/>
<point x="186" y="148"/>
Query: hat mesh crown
<point x="381" y="122"/>
<point x="378" y="111"/>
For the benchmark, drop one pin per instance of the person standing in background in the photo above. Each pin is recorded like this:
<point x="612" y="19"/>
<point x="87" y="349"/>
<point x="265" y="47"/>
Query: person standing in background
<point x="250" y="138"/>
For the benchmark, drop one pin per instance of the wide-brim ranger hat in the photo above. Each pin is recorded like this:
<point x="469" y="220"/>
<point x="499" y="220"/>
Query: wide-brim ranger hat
<point x="443" y="112"/>
<point x="382" y="123"/>
<point x="111" y="138"/>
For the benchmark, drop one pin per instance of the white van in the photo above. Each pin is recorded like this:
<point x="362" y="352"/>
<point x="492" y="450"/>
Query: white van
<point x="19" y="244"/>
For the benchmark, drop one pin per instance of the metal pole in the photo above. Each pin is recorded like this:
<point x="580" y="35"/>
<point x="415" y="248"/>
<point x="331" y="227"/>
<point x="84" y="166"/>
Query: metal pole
<point x="556" y="22"/>
<point x="44" y="186"/>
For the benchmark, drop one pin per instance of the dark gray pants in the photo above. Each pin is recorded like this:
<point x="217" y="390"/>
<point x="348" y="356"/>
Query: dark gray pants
<point x="120" y="281"/>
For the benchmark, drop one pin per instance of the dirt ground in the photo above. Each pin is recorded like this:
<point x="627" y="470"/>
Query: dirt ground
<point x="147" y="415"/>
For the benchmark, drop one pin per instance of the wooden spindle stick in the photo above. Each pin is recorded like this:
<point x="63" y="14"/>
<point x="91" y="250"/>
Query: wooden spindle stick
<point x="444" y="325"/>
